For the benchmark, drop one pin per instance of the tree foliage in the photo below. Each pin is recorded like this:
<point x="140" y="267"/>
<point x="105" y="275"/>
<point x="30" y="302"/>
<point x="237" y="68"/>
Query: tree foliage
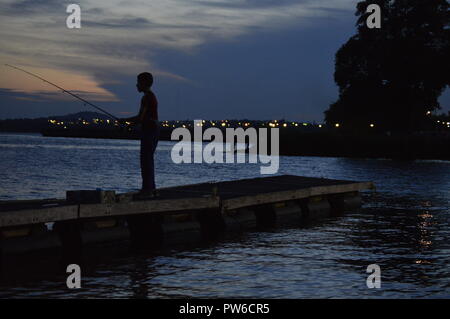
<point x="393" y="75"/>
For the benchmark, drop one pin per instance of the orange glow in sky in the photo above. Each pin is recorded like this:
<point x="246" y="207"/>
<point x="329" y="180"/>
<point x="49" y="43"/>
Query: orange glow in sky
<point x="81" y="84"/>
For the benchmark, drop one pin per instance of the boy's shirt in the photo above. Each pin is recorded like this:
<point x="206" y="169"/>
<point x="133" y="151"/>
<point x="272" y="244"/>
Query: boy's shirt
<point x="149" y="105"/>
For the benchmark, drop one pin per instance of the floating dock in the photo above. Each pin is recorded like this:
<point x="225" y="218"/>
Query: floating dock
<point x="178" y="215"/>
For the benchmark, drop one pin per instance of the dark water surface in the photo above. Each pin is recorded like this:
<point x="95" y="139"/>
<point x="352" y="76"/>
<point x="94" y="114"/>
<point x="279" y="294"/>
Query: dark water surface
<point x="403" y="227"/>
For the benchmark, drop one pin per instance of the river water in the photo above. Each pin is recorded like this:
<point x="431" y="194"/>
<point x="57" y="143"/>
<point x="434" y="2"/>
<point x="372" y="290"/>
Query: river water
<point x="403" y="227"/>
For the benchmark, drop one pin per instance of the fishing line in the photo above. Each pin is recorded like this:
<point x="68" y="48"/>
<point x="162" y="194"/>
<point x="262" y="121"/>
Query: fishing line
<point x="65" y="91"/>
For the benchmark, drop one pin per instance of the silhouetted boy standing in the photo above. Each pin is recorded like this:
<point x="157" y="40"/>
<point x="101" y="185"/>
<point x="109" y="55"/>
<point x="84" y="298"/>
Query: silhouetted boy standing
<point x="148" y="118"/>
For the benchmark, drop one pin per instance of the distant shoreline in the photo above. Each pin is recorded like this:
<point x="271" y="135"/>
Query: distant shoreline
<point x="425" y="148"/>
<point x="296" y="138"/>
<point x="323" y="144"/>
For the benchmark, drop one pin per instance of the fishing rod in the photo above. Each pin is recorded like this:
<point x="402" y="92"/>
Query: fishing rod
<point x="65" y="91"/>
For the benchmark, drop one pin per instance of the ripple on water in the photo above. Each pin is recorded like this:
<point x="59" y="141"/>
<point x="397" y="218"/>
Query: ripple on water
<point x="403" y="227"/>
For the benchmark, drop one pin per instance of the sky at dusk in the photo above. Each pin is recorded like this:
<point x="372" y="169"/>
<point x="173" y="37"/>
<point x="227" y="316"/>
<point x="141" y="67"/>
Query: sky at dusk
<point x="211" y="59"/>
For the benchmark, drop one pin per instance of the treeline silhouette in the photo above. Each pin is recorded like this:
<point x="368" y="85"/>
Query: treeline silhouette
<point x="393" y="76"/>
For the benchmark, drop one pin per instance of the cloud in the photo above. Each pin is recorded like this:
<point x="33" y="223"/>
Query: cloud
<point x="14" y="81"/>
<point x="249" y="4"/>
<point x="123" y="38"/>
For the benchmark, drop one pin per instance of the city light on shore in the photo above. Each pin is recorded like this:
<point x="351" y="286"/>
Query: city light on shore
<point x="223" y="124"/>
<point x="283" y="124"/>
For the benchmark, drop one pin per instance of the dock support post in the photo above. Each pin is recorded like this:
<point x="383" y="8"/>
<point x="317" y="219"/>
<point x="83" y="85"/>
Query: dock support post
<point x="27" y="238"/>
<point x="145" y="231"/>
<point x="287" y="213"/>
<point x="157" y="231"/>
<point x="240" y="220"/>
<point x="265" y="215"/>
<point x="69" y="233"/>
<point x="315" y="208"/>
<point x="212" y="224"/>
<point x="340" y="203"/>
<point x="181" y="229"/>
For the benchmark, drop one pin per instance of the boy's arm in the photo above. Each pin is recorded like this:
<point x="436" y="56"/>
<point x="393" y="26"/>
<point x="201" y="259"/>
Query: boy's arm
<point x="138" y="118"/>
<point x="131" y="120"/>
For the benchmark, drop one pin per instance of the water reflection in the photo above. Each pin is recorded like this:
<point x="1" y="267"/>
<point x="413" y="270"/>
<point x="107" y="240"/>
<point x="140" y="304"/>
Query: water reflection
<point x="403" y="227"/>
<point x="406" y="244"/>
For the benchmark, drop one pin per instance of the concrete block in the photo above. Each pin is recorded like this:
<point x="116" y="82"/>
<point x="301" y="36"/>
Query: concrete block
<point x="288" y="214"/>
<point x="26" y="239"/>
<point x="314" y="208"/>
<point x="181" y="233"/>
<point x="341" y="203"/>
<point x="240" y="220"/>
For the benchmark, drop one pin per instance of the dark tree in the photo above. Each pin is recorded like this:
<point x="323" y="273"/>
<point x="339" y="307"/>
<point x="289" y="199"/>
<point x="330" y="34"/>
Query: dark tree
<point x="394" y="75"/>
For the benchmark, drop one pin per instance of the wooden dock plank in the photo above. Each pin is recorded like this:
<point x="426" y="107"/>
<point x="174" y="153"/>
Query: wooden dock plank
<point x="7" y="205"/>
<point x="37" y="216"/>
<point x="226" y="195"/>
<point x="259" y="199"/>
<point x="261" y="185"/>
<point x="148" y="206"/>
<point x="343" y="188"/>
<point x="251" y="200"/>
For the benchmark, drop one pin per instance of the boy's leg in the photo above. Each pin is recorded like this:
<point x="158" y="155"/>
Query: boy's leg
<point x="145" y="167"/>
<point x="151" y="162"/>
<point x="148" y="147"/>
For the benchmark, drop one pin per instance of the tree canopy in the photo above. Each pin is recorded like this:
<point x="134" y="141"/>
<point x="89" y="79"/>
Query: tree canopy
<point x="392" y="76"/>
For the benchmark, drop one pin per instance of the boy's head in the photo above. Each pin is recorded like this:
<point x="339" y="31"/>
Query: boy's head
<point x="144" y="81"/>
